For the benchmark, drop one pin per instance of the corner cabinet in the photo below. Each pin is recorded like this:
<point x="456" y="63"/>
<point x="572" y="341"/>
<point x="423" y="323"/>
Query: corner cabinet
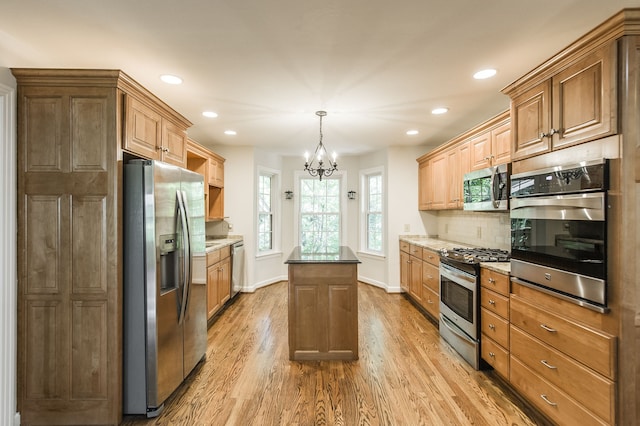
<point x="576" y="103"/>
<point x="211" y="166"/>
<point x="69" y="242"/>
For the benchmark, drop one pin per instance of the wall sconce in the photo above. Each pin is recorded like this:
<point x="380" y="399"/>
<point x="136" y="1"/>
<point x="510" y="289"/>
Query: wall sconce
<point x="288" y="195"/>
<point x="351" y="195"/>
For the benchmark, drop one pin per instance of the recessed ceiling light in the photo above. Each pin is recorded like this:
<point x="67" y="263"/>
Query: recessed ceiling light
<point x="482" y="74"/>
<point x="210" y="114"/>
<point x="230" y="132"/>
<point x="439" y="110"/>
<point x="412" y="132"/>
<point x="171" y="79"/>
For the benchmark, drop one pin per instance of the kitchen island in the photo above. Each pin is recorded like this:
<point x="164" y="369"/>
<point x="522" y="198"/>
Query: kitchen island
<point x="323" y="305"/>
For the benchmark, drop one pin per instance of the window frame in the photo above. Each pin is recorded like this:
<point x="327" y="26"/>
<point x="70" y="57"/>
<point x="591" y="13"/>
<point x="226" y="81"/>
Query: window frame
<point x="275" y="211"/>
<point x="364" y="210"/>
<point x="337" y="175"/>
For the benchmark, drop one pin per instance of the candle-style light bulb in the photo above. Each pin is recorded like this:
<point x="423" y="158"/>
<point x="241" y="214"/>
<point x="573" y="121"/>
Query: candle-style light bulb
<point x="306" y="157"/>
<point x="334" y="156"/>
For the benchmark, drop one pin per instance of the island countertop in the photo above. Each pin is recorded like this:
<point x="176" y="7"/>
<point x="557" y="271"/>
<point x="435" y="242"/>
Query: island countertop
<point x="345" y="255"/>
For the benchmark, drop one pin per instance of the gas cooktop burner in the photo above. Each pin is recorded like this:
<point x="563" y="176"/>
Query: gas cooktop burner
<point x="474" y="255"/>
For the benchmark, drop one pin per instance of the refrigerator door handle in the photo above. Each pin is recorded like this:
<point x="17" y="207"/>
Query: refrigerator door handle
<point x="186" y="257"/>
<point x="189" y="257"/>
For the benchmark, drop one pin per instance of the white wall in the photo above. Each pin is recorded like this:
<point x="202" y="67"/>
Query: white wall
<point x="8" y="285"/>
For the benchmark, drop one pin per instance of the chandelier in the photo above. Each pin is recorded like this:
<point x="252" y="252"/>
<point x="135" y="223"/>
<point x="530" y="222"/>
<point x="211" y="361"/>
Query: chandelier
<point x="320" y="151"/>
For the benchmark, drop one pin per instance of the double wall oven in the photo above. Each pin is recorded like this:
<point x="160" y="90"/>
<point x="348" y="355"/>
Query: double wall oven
<point x="459" y="321"/>
<point x="559" y="232"/>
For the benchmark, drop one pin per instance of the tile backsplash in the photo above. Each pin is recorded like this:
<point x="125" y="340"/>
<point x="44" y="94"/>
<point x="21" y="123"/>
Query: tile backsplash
<point x="481" y="229"/>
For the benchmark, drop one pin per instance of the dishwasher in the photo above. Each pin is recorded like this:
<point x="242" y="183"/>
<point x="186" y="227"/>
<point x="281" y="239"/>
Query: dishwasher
<point x="237" y="268"/>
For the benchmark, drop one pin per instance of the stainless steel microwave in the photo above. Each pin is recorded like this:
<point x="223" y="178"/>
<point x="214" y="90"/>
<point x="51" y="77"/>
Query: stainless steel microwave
<point x="487" y="189"/>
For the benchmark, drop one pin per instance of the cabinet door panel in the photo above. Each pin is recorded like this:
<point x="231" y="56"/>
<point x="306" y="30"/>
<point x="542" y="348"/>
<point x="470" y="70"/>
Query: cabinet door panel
<point x="424" y="187"/>
<point x="530" y="118"/>
<point x="480" y="151"/>
<point x="174" y="144"/>
<point x="143" y="130"/>
<point x="501" y="144"/>
<point x="584" y="100"/>
<point x="438" y="182"/>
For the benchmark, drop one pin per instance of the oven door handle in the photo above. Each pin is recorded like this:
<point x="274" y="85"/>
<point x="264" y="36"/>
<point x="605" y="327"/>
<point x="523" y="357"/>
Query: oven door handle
<point x="454" y="329"/>
<point x="560" y="207"/>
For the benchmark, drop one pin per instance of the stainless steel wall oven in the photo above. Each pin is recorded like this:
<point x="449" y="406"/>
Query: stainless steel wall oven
<point x="559" y="231"/>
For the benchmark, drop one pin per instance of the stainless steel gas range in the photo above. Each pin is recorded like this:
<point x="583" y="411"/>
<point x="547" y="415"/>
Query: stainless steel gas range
<point x="460" y="298"/>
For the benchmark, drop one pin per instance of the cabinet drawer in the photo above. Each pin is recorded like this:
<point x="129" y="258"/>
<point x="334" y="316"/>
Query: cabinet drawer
<point x="416" y="251"/>
<point x="495" y="327"/>
<point x="225" y="252"/>
<point x="404" y="246"/>
<point x="431" y="276"/>
<point x="494" y="281"/>
<point x="585" y="386"/>
<point x="494" y="302"/>
<point x="495" y="355"/>
<point x="550" y="400"/>
<point x="213" y="257"/>
<point x="431" y="301"/>
<point x="431" y="256"/>
<point x="592" y="347"/>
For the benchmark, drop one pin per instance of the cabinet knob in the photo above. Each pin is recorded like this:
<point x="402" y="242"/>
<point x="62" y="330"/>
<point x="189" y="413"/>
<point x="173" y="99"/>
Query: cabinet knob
<point x="492" y="355"/>
<point x="492" y="280"/>
<point x="492" y="327"/>
<point x="492" y="302"/>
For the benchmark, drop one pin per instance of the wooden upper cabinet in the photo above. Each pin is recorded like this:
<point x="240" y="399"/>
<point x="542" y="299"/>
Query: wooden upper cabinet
<point x="143" y="130"/>
<point x="216" y="171"/>
<point x="150" y="134"/>
<point x="501" y="144"/>
<point x="424" y="188"/>
<point x="438" y="182"/>
<point x="491" y="148"/>
<point x="441" y="172"/>
<point x="575" y="105"/>
<point x="480" y="147"/>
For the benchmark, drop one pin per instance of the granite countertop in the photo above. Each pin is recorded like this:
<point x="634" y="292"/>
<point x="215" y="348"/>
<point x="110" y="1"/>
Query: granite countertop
<point x="345" y="255"/>
<point x="436" y="244"/>
<point x="218" y="242"/>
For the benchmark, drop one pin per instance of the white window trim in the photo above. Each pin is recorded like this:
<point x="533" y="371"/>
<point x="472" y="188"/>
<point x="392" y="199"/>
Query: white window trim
<point x="342" y="175"/>
<point x="364" y="198"/>
<point x="276" y="208"/>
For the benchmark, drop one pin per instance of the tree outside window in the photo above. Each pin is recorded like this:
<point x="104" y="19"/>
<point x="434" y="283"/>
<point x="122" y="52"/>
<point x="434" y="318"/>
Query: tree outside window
<point x="319" y="215"/>
<point x="265" y="212"/>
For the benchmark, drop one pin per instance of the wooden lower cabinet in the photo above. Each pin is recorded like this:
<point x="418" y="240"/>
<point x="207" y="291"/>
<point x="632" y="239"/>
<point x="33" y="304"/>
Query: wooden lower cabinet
<point x="218" y="280"/>
<point x="323" y="311"/>
<point x="494" y="320"/>
<point x="420" y="276"/>
<point x="559" y="361"/>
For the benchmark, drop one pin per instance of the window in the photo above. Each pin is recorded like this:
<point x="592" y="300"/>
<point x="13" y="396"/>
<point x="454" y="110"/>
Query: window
<point x="320" y="215"/>
<point x="267" y="187"/>
<point x="372" y="211"/>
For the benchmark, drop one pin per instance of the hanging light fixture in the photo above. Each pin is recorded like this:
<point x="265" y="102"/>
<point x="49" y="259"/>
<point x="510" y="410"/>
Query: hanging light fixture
<point x="318" y="155"/>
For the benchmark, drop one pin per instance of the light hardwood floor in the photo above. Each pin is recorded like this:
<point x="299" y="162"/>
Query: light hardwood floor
<point x="406" y="374"/>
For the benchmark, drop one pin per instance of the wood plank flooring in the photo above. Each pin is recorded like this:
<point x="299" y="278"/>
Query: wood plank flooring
<point x="406" y="374"/>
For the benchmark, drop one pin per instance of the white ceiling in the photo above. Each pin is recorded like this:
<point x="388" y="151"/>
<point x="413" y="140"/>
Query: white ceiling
<point x="265" y="66"/>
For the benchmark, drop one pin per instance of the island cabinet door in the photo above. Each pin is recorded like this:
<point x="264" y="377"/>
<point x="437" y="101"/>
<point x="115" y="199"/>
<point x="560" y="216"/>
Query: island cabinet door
<point x="323" y="312"/>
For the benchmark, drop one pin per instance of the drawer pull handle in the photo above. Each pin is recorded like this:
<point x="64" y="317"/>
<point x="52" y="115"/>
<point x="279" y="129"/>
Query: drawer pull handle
<point x="549" y="329"/>
<point x="430" y="301"/>
<point x="543" y="396"/>
<point x="546" y="364"/>
<point x="491" y="280"/>
<point x="492" y="355"/>
<point x="491" y="326"/>
<point x="492" y="302"/>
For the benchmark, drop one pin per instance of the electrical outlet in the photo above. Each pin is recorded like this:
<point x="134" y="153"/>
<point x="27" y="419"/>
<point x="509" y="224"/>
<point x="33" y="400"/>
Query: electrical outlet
<point x="479" y="232"/>
<point x="407" y="227"/>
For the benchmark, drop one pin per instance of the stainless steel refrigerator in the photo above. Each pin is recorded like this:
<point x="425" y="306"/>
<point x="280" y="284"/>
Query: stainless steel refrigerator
<point x="164" y="313"/>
